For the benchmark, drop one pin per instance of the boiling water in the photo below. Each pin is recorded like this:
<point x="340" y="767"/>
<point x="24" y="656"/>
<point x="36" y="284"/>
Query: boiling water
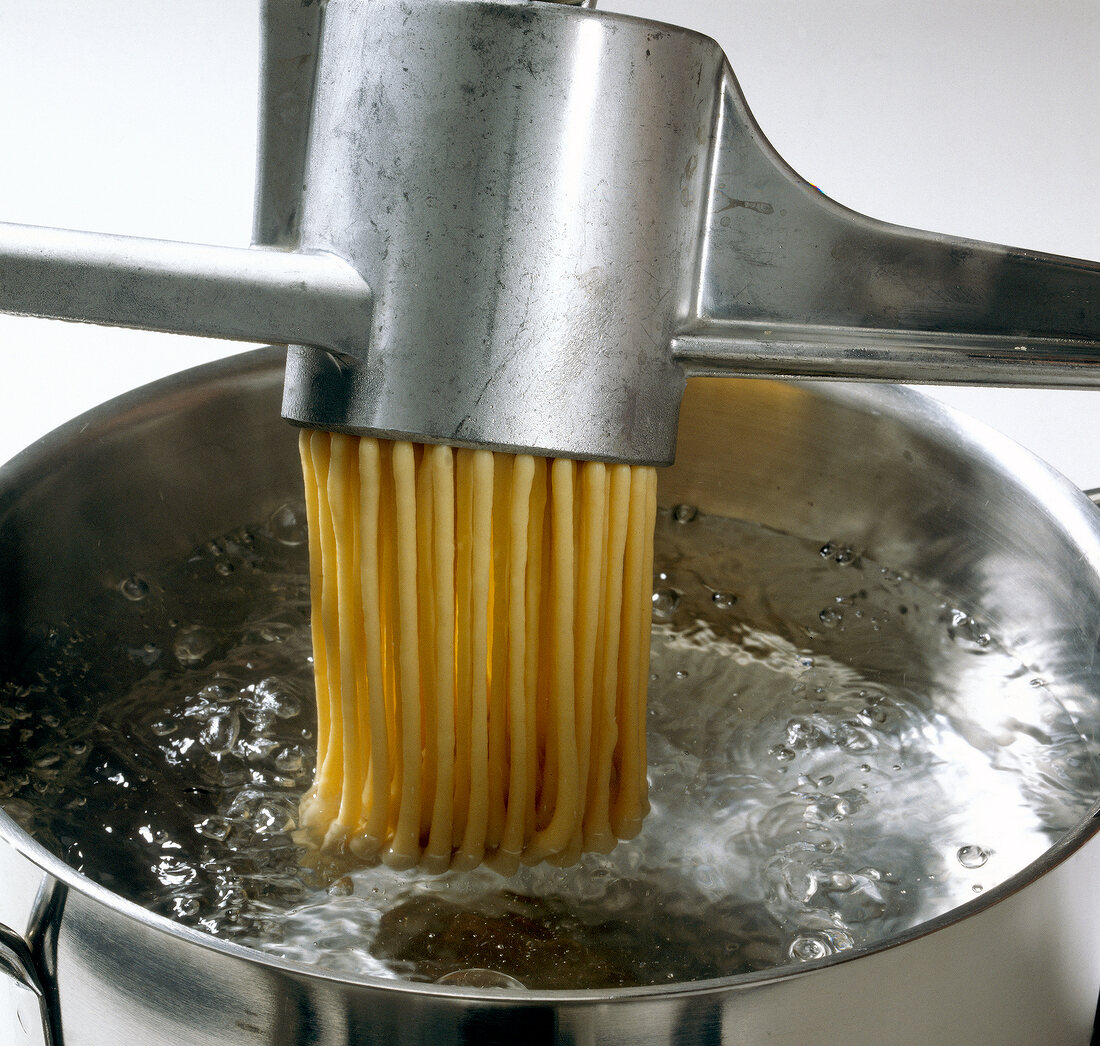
<point x="836" y="755"/>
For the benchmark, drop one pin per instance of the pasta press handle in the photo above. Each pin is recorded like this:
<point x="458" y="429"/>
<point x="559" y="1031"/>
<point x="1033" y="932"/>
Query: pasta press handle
<point x="792" y="284"/>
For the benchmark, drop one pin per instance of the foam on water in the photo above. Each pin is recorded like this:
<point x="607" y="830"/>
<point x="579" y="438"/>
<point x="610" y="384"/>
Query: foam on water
<point x="836" y="755"/>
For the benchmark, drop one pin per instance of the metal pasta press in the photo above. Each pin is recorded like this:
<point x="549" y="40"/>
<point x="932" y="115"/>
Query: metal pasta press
<point x="521" y="224"/>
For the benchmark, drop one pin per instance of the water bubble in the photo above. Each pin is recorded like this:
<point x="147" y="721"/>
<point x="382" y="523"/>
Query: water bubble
<point x="134" y="588"/>
<point x="220" y="731"/>
<point x="223" y="567"/>
<point x="831" y="617"/>
<point x="186" y="907"/>
<point x="263" y="813"/>
<point x="966" y="631"/>
<point x="287" y="706"/>
<point x="193" y="644"/>
<point x="666" y="601"/>
<point x="258" y="749"/>
<point x="841" y="555"/>
<point x="288" y="525"/>
<point x="148" y="654"/>
<point x="807" y="947"/>
<point x="723" y="600"/>
<point x="290" y="759"/>
<point x="276" y="631"/>
<point x="684" y="513"/>
<point x="475" y="977"/>
<point x="972" y="856"/>
<point x="853" y="737"/>
<point x="152" y="835"/>
<point x="164" y="727"/>
<point x="342" y="887"/>
<point x="803" y="733"/>
<point x="268" y="701"/>
<point x="224" y="690"/>
<point x="216" y="828"/>
<point x="273" y="816"/>
<point x="826" y="808"/>
<point x="782" y="753"/>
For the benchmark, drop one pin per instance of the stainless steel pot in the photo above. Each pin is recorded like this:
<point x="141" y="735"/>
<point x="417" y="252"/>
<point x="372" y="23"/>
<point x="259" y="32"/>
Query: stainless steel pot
<point x="147" y="477"/>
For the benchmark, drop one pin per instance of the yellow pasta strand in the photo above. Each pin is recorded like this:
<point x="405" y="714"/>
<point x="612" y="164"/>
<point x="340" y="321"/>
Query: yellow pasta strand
<point x="372" y="834"/>
<point x="501" y="641"/>
<point x="425" y="612"/>
<point x="598" y="836"/>
<point x="311" y="806"/>
<point x="519" y="723"/>
<point x="322" y="802"/>
<point x="437" y="853"/>
<point x="481" y="640"/>
<point x="405" y="849"/>
<point x="630" y="804"/>
<point x="349" y="636"/>
<point x="560" y="784"/>
<point x="472" y="847"/>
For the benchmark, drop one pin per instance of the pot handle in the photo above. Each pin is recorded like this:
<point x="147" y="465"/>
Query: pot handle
<point x="24" y="1006"/>
<point x="32" y="905"/>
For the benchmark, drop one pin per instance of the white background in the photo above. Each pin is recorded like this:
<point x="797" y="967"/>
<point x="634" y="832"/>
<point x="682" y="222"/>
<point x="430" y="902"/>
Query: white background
<point x="974" y="117"/>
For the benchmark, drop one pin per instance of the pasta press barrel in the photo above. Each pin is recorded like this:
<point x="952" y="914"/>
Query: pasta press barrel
<point x="522" y="225"/>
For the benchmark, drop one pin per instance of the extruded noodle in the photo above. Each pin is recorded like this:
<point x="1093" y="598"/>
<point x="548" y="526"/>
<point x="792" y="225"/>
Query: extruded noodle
<point x="481" y="641"/>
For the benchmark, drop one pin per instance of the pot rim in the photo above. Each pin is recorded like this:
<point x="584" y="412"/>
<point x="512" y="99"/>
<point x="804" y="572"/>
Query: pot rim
<point x="1042" y="482"/>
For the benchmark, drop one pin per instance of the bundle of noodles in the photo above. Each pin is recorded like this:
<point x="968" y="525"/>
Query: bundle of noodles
<point x="481" y="647"/>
